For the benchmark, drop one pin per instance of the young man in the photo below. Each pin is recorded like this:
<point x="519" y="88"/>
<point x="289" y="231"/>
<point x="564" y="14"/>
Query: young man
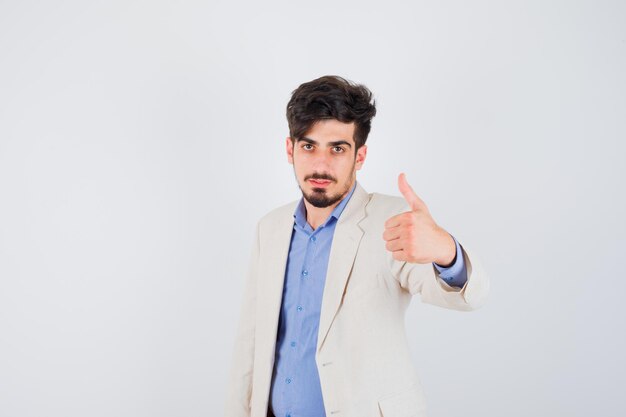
<point x="321" y="328"/>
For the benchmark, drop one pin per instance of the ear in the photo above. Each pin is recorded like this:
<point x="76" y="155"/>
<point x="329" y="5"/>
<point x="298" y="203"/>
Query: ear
<point x="289" y="147"/>
<point x="360" y="157"/>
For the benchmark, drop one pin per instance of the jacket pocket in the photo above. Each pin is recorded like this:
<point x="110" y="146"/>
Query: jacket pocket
<point x="406" y="403"/>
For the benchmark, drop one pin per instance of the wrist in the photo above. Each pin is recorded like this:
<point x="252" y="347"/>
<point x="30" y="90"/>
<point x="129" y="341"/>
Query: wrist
<point x="449" y="257"/>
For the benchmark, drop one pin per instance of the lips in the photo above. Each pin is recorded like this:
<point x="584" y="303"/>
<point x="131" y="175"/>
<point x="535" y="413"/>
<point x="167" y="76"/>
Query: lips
<point x="319" y="183"/>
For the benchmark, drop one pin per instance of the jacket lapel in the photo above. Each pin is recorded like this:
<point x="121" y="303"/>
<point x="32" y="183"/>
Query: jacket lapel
<point x="343" y="251"/>
<point x="274" y="276"/>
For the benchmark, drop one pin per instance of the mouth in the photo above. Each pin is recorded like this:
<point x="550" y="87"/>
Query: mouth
<point x="319" y="183"/>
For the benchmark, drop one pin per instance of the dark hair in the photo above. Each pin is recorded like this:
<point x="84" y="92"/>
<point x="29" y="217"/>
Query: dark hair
<point x="331" y="97"/>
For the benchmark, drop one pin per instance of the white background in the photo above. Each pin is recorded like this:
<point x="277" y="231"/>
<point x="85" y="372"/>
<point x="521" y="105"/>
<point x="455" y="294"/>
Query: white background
<point x="141" y="141"/>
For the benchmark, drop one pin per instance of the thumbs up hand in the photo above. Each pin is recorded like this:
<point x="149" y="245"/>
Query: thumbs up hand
<point x="413" y="236"/>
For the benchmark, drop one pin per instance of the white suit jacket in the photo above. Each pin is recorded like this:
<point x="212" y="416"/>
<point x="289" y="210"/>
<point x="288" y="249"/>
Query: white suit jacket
<point x="362" y="356"/>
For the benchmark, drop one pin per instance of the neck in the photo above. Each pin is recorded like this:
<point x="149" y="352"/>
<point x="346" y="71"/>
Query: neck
<point x="318" y="215"/>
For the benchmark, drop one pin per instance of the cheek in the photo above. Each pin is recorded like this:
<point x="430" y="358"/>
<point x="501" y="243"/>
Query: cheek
<point x="303" y="161"/>
<point x="347" y="165"/>
<point x="300" y="167"/>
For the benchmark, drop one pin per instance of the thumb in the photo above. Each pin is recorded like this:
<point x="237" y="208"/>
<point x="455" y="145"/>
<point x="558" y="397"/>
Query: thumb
<point x="414" y="201"/>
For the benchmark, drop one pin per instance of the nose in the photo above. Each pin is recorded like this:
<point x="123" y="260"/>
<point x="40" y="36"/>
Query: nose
<point x="321" y="162"/>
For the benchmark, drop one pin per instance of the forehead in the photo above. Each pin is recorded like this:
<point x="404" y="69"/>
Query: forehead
<point x="330" y="130"/>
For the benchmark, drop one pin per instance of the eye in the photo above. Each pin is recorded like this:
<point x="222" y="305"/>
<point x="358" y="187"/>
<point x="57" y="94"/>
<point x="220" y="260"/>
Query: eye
<point x="338" y="149"/>
<point x="305" y="146"/>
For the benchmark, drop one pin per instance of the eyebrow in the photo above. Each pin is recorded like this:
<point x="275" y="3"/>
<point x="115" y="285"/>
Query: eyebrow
<point x="334" y="143"/>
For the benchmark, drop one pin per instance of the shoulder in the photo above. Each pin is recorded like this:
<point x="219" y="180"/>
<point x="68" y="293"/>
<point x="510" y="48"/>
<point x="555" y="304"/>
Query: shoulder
<point x="274" y="217"/>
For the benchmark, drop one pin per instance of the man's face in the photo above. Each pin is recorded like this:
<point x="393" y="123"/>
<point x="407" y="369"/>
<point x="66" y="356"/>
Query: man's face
<point x="324" y="161"/>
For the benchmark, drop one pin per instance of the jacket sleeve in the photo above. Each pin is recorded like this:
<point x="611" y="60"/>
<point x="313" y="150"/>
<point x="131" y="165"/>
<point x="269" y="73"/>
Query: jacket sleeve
<point x="239" y="389"/>
<point x="425" y="279"/>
